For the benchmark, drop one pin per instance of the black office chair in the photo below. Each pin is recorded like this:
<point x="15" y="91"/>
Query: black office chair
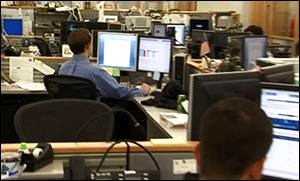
<point x="66" y="86"/>
<point x="64" y="120"/>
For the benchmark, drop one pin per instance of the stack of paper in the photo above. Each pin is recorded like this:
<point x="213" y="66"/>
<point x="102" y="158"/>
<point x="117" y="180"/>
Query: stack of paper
<point x="32" y="86"/>
<point x="174" y="119"/>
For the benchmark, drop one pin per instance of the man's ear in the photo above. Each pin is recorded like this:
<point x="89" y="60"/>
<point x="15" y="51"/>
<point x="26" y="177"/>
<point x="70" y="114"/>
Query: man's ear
<point x="255" y="170"/>
<point x="197" y="154"/>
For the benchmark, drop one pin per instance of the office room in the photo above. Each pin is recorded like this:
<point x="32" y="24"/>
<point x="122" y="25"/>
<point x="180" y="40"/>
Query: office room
<point x="159" y="90"/>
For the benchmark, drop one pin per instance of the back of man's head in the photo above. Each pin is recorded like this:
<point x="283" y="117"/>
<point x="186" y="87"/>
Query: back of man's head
<point x="235" y="133"/>
<point x="255" y="30"/>
<point x="78" y="40"/>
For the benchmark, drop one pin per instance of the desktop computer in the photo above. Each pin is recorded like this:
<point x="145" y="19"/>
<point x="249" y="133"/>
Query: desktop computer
<point x="178" y="71"/>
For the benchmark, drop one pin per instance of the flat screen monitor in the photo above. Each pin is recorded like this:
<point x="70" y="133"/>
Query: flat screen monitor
<point x="13" y="26"/>
<point x="253" y="47"/>
<point x="278" y="73"/>
<point x="155" y="54"/>
<point x="159" y="30"/>
<point x="95" y="37"/>
<point x="281" y="104"/>
<point x="117" y="50"/>
<point x="179" y="33"/>
<point x="207" y="89"/>
<point x="68" y="26"/>
<point x="200" y="24"/>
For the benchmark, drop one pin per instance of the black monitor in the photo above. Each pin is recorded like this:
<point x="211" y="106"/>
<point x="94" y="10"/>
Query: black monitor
<point x="200" y="24"/>
<point x="155" y="54"/>
<point x="117" y="50"/>
<point x="217" y="41"/>
<point x="207" y="89"/>
<point x="95" y="37"/>
<point x="279" y="73"/>
<point x="251" y="48"/>
<point x="281" y="104"/>
<point x="179" y="33"/>
<point x="68" y="26"/>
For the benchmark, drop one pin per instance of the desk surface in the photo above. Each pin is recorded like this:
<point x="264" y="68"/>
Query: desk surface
<point x="152" y="111"/>
<point x="10" y="89"/>
<point x="155" y="145"/>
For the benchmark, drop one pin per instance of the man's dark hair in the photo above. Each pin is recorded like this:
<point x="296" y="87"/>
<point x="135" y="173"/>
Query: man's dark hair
<point x="78" y="40"/>
<point x="256" y="30"/>
<point x="235" y="132"/>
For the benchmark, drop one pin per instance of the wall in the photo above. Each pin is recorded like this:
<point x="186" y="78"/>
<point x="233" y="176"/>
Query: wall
<point x="242" y="7"/>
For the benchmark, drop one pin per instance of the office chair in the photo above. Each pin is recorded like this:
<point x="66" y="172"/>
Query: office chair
<point x="66" y="86"/>
<point x="64" y="120"/>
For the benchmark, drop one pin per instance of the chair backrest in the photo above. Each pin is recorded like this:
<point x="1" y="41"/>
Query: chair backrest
<point x="66" y="86"/>
<point x="64" y="120"/>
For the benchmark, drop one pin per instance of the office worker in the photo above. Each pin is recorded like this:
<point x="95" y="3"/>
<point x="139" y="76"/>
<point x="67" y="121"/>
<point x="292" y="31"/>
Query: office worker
<point x="79" y="65"/>
<point x="235" y="136"/>
<point x="254" y="30"/>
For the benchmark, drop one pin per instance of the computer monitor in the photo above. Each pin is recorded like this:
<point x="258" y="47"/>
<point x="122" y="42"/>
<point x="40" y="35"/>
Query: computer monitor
<point x="68" y="26"/>
<point x="281" y="104"/>
<point x="200" y="24"/>
<point x="252" y="47"/>
<point x="279" y="73"/>
<point x="117" y="50"/>
<point x="95" y="37"/>
<point x="159" y="30"/>
<point x="216" y="39"/>
<point x="155" y="54"/>
<point x="207" y="89"/>
<point x="179" y="33"/>
<point x="13" y="26"/>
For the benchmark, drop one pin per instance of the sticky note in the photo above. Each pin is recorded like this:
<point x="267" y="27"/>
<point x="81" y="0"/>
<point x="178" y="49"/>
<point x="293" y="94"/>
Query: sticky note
<point x="156" y="76"/>
<point x="116" y="72"/>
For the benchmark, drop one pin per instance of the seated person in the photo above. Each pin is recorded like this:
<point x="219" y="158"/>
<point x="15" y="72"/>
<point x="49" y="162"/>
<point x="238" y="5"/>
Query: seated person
<point x="254" y="30"/>
<point x="79" y="65"/>
<point x="236" y="135"/>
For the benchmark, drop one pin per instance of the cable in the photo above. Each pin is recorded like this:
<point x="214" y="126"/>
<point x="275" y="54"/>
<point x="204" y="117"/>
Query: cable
<point x="105" y="154"/>
<point x="136" y="143"/>
<point x="127" y="156"/>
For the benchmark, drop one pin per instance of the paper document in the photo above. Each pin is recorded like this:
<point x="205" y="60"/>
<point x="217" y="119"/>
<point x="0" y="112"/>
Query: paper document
<point x="21" y="68"/>
<point x="32" y="86"/>
<point x="42" y="67"/>
<point x="185" y="105"/>
<point x="174" y="119"/>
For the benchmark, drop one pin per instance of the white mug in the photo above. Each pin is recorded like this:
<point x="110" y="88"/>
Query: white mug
<point x="10" y="163"/>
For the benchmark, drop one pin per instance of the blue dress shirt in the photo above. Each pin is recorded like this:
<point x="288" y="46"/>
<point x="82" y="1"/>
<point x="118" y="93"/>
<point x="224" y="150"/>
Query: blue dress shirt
<point x="107" y="86"/>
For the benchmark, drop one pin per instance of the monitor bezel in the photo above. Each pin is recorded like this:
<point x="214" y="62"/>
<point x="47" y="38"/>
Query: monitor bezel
<point x="121" y="68"/>
<point x="171" y="53"/>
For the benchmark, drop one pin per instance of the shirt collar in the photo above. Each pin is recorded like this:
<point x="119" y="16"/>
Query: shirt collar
<point x="77" y="58"/>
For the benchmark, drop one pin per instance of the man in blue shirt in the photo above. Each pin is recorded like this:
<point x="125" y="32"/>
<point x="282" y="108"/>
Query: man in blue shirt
<point x="79" y="65"/>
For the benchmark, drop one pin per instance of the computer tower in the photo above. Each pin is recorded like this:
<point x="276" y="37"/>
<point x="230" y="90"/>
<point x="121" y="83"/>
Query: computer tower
<point x="179" y="68"/>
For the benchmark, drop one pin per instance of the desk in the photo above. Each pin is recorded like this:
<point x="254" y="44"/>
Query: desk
<point x="13" y="98"/>
<point x="92" y="152"/>
<point x="153" y="113"/>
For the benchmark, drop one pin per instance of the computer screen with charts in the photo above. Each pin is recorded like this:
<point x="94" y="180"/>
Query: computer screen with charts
<point x="117" y="50"/>
<point x="13" y="26"/>
<point x="155" y="54"/>
<point x="281" y="104"/>
<point x="207" y="89"/>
